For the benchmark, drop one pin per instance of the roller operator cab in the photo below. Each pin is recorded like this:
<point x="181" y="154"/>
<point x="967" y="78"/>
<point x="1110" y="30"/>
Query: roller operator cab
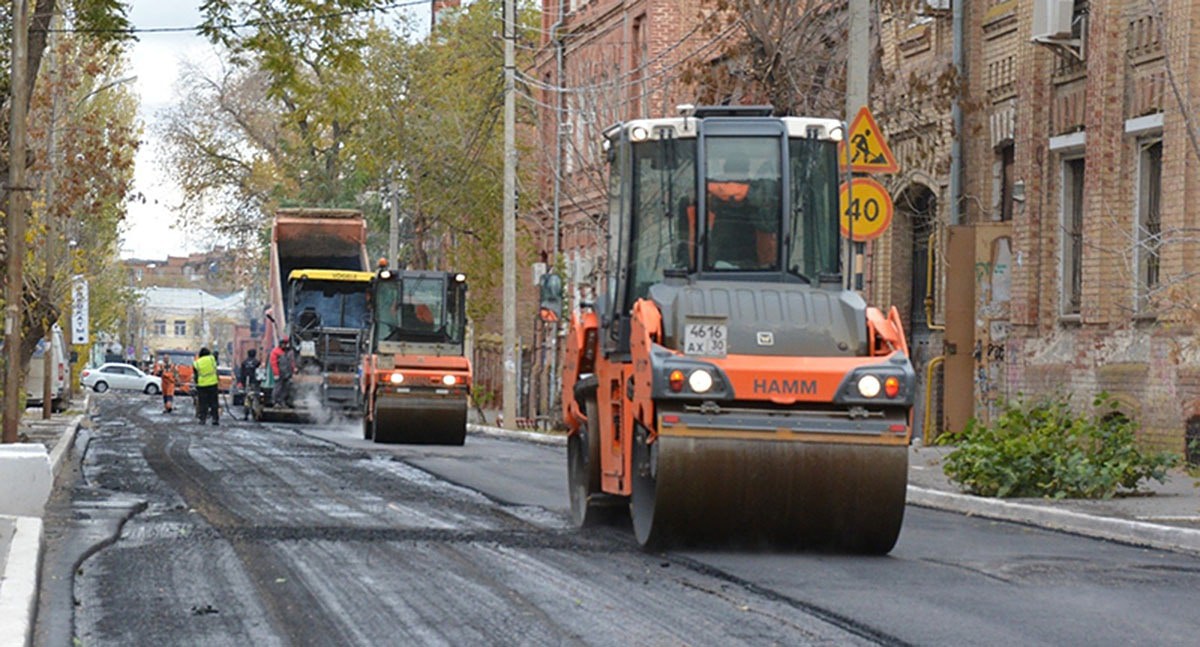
<point x="726" y="386"/>
<point x="415" y="379"/>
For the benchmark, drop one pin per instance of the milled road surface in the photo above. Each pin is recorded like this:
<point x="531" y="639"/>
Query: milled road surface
<point x="256" y="535"/>
<point x="307" y="535"/>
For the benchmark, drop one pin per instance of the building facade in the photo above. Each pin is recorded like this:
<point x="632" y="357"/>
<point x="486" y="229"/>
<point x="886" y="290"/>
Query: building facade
<point x="189" y="319"/>
<point x="1064" y="264"/>
<point x="1106" y="155"/>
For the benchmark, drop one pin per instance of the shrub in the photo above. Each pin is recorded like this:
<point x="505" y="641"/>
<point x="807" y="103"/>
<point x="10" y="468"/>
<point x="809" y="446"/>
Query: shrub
<point x="1044" y="450"/>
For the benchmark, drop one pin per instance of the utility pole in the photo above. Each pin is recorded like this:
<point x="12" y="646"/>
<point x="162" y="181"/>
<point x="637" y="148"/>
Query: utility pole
<point x="858" y="94"/>
<point x="51" y="245"/>
<point x="510" y="219"/>
<point x="15" y="231"/>
<point x="394" y="226"/>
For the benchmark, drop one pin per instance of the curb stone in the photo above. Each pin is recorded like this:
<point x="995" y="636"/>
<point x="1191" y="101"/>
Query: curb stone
<point x="20" y="578"/>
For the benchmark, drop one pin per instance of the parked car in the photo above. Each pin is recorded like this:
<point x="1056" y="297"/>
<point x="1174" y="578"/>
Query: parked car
<point x="117" y="375"/>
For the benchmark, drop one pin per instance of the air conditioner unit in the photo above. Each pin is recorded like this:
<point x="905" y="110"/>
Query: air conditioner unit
<point x="1052" y="19"/>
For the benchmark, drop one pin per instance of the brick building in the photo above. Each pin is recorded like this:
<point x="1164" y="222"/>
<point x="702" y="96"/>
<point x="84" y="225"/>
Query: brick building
<point x="1105" y="163"/>
<point x="620" y="59"/>
<point x="1078" y="161"/>
<point x="1064" y="267"/>
<point x="212" y="270"/>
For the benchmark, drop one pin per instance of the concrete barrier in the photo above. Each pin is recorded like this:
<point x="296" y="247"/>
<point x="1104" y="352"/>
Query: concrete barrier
<point x="19" y="578"/>
<point x="28" y="478"/>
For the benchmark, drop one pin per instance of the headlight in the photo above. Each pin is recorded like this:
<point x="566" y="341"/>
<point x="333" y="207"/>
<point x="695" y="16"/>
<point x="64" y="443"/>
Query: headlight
<point x="397" y="377"/>
<point x="700" y="380"/>
<point x="868" y="386"/>
<point x="449" y="380"/>
<point x="639" y="134"/>
<point x="460" y="277"/>
<point x="385" y="274"/>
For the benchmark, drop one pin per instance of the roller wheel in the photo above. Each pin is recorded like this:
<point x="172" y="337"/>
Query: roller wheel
<point x="645" y="491"/>
<point x="583" y="473"/>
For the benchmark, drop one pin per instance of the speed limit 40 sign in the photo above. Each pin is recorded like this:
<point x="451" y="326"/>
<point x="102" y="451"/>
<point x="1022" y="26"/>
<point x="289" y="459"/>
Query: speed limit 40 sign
<point x="870" y="209"/>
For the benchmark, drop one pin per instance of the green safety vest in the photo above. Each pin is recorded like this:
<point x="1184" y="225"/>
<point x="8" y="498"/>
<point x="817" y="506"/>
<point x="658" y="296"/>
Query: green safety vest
<point x="206" y="370"/>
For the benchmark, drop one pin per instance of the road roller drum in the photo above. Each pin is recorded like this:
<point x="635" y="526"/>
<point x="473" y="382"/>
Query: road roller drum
<point x="421" y="420"/>
<point x="768" y="494"/>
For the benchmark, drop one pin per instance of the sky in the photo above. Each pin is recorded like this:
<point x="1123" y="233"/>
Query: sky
<point x="156" y="59"/>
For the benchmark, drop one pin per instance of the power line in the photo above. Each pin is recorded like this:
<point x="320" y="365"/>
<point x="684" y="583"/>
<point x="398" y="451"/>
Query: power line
<point x="241" y="25"/>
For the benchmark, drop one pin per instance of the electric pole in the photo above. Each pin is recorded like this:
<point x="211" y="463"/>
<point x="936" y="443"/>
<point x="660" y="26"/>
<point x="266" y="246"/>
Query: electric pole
<point x="511" y="356"/>
<point x="858" y="94"/>
<point x="394" y="225"/>
<point x="15" y="230"/>
<point x="48" y="366"/>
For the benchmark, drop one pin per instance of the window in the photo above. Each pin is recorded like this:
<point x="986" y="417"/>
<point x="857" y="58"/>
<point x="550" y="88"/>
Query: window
<point x="1005" y="155"/>
<point x="1149" y="219"/>
<point x="1072" y="235"/>
<point x="180" y="328"/>
<point x="664" y="211"/>
<point x="743" y="199"/>
<point x="160" y="326"/>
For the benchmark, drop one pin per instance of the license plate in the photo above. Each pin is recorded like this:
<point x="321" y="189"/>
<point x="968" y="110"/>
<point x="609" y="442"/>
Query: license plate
<point x="705" y="339"/>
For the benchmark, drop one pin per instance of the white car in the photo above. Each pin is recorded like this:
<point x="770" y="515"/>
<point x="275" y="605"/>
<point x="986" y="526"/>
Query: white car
<point x="115" y="375"/>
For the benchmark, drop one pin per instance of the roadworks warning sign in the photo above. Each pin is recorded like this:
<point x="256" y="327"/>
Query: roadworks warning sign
<point x="869" y="152"/>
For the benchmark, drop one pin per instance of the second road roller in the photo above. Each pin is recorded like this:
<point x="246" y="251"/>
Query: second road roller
<point x="415" y="377"/>
<point x="726" y="386"/>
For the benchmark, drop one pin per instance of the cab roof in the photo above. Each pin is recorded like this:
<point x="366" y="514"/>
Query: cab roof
<point x="685" y="127"/>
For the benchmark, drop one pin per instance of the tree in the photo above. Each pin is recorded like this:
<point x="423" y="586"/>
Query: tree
<point x="103" y="29"/>
<point x="790" y="55"/>
<point x="310" y="55"/>
<point x="82" y="138"/>
<point x="435" y="120"/>
<point x="103" y="21"/>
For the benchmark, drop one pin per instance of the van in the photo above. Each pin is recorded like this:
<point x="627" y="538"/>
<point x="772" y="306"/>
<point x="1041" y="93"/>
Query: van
<point x="58" y="379"/>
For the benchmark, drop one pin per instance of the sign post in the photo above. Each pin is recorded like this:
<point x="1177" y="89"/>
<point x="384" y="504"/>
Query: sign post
<point x="866" y="206"/>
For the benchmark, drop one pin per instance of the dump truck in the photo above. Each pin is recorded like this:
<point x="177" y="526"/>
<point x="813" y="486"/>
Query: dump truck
<point x="727" y="386"/>
<point x="415" y="376"/>
<point x="318" y="289"/>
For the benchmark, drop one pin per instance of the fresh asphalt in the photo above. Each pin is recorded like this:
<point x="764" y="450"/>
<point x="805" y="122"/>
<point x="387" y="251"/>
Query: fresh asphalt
<point x="1167" y="520"/>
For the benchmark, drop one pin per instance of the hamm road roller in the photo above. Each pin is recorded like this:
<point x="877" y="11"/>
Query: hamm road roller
<point x="415" y="377"/>
<point x="726" y="385"/>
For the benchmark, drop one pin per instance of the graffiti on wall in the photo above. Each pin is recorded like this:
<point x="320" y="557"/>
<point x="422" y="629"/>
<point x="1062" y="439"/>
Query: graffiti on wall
<point x="993" y="280"/>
